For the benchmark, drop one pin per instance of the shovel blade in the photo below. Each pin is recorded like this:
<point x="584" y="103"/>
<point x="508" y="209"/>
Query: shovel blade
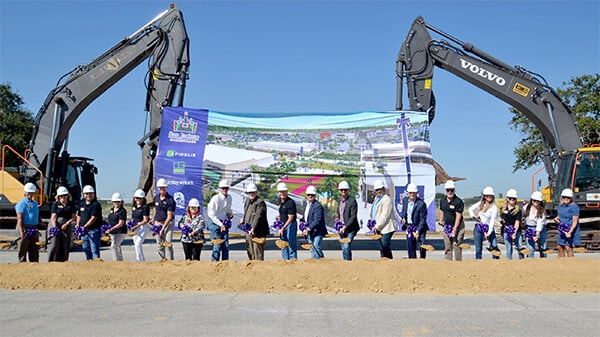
<point x="217" y="241"/>
<point x="428" y="247"/>
<point x="306" y="246"/>
<point x="78" y="242"/>
<point x="464" y="246"/>
<point x="579" y="250"/>
<point x="105" y="238"/>
<point x="376" y="236"/>
<point x="260" y="241"/>
<point x="166" y="244"/>
<point x="345" y="240"/>
<point x="496" y="253"/>
<point x="132" y="234"/>
<point x="281" y="244"/>
<point x="525" y="251"/>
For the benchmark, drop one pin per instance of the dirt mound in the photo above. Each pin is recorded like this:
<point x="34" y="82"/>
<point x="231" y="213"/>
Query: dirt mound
<point x="312" y="276"/>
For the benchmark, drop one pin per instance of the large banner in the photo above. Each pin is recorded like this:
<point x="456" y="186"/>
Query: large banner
<point x="300" y="149"/>
<point x="180" y="154"/>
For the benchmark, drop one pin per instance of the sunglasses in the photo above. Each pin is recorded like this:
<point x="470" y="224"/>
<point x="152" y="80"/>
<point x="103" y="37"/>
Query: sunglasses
<point x="449" y="190"/>
<point x="565" y="197"/>
<point x="511" y="198"/>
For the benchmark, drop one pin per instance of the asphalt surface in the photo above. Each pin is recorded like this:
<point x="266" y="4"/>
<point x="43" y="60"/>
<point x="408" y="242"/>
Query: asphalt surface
<point x="93" y="313"/>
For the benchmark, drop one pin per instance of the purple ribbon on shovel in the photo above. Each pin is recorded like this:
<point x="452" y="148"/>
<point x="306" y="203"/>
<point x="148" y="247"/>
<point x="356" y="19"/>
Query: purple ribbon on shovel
<point x="371" y="224"/>
<point x="563" y="228"/>
<point x="410" y="229"/>
<point x="186" y="230"/>
<point x="53" y="231"/>
<point x="482" y="228"/>
<point x="226" y="223"/>
<point x="30" y="232"/>
<point x="131" y="224"/>
<point x="277" y="225"/>
<point x="302" y="226"/>
<point x="80" y="231"/>
<point x="509" y="230"/>
<point x="246" y="227"/>
<point x="104" y="227"/>
<point x="338" y="225"/>
<point x="156" y="229"/>
<point x="448" y="229"/>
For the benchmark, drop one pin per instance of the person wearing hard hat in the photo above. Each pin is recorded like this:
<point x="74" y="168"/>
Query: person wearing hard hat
<point x="164" y="212"/>
<point x="117" y="231"/>
<point x="486" y="213"/>
<point x="568" y="214"/>
<point x="382" y="211"/>
<point x="451" y="209"/>
<point x="27" y="221"/>
<point x="535" y="220"/>
<point x="89" y="216"/>
<point x="62" y="215"/>
<point x="414" y="215"/>
<point x="510" y="221"/>
<point x="287" y="214"/>
<point x="348" y="215"/>
<point x="219" y="210"/>
<point x="255" y="214"/>
<point x="193" y="240"/>
<point x="140" y="215"/>
<point x="314" y="216"/>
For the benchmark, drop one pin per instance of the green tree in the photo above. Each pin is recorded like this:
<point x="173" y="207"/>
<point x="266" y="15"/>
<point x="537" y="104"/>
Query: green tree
<point x="582" y="95"/>
<point x="16" y="123"/>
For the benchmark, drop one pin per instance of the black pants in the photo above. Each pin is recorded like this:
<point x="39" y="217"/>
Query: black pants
<point x="59" y="246"/>
<point x="192" y="250"/>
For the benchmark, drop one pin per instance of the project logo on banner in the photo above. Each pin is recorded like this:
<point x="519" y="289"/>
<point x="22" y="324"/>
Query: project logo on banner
<point x="180" y="154"/>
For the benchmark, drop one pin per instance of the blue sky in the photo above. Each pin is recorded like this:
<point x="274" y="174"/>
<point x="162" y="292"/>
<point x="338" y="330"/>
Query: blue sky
<point x="296" y="56"/>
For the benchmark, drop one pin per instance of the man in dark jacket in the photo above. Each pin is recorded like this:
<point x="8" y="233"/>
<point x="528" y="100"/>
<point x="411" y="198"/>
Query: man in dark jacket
<point x="255" y="214"/>
<point x="347" y="212"/>
<point x="414" y="221"/>
<point x="314" y="216"/>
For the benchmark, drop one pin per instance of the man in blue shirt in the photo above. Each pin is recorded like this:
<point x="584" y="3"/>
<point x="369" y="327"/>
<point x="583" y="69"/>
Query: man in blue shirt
<point x="27" y="220"/>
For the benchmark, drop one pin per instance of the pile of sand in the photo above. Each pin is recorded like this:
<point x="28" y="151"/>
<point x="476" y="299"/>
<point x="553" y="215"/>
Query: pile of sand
<point x="312" y="276"/>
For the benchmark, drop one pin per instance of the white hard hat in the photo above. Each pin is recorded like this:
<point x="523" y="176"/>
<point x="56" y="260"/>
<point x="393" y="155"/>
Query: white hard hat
<point x="224" y="183"/>
<point x="488" y="191"/>
<point x="449" y="185"/>
<point x="194" y="203"/>
<point x="62" y="191"/>
<point x="343" y="185"/>
<point x="378" y="184"/>
<point x="281" y="187"/>
<point x="139" y="193"/>
<point x="251" y="188"/>
<point x="88" y="189"/>
<point x="29" y="188"/>
<point x="116" y="197"/>
<point x="311" y="190"/>
<point x="411" y="188"/>
<point x="537" y="195"/>
<point x="162" y="182"/>
<point x="567" y="192"/>
<point x="512" y="193"/>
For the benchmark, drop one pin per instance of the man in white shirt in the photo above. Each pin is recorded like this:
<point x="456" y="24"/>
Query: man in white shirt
<point x="218" y="211"/>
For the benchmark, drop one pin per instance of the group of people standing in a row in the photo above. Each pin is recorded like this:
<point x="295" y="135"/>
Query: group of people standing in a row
<point x="89" y="226"/>
<point x="514" y="222"/>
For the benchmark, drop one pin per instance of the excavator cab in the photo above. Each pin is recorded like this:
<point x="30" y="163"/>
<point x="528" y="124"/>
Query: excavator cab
<point x="75" y="172"/>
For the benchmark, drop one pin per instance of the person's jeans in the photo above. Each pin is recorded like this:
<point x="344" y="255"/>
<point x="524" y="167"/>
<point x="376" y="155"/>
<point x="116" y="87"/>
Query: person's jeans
<point x="221" y="250"/>
<point x="478" y="237"/>
<point x="541" y="243"/>
<point x="91" y="244"/>
<point x="411" y="243"/>
<point x="289" y="235"/>
<point x="316" y="250"/>
<point x="386" y="245"/>
<point x="347" y="247"/>
<point x="517" y="243"/>
<point x="115" y="246"/>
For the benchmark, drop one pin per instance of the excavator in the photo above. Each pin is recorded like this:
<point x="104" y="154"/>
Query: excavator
<point x="165" y="44"/>
<point x="567" y="162"/>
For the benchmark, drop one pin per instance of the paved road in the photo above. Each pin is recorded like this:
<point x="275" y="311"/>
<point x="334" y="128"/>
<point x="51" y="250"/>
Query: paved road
<point x="162" y="314"/>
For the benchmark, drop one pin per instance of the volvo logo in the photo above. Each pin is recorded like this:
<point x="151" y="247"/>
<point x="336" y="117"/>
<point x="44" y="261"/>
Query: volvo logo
<point x="475" y="69"/>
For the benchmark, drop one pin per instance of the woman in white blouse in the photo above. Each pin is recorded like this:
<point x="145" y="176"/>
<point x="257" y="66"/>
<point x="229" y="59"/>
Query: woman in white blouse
<point x="486" y="214"/>
<point x="535" y="220"/>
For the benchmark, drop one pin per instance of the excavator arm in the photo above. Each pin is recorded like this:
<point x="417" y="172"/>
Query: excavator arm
<point x="518" y="87"/>
<point x="164" y="42"/>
